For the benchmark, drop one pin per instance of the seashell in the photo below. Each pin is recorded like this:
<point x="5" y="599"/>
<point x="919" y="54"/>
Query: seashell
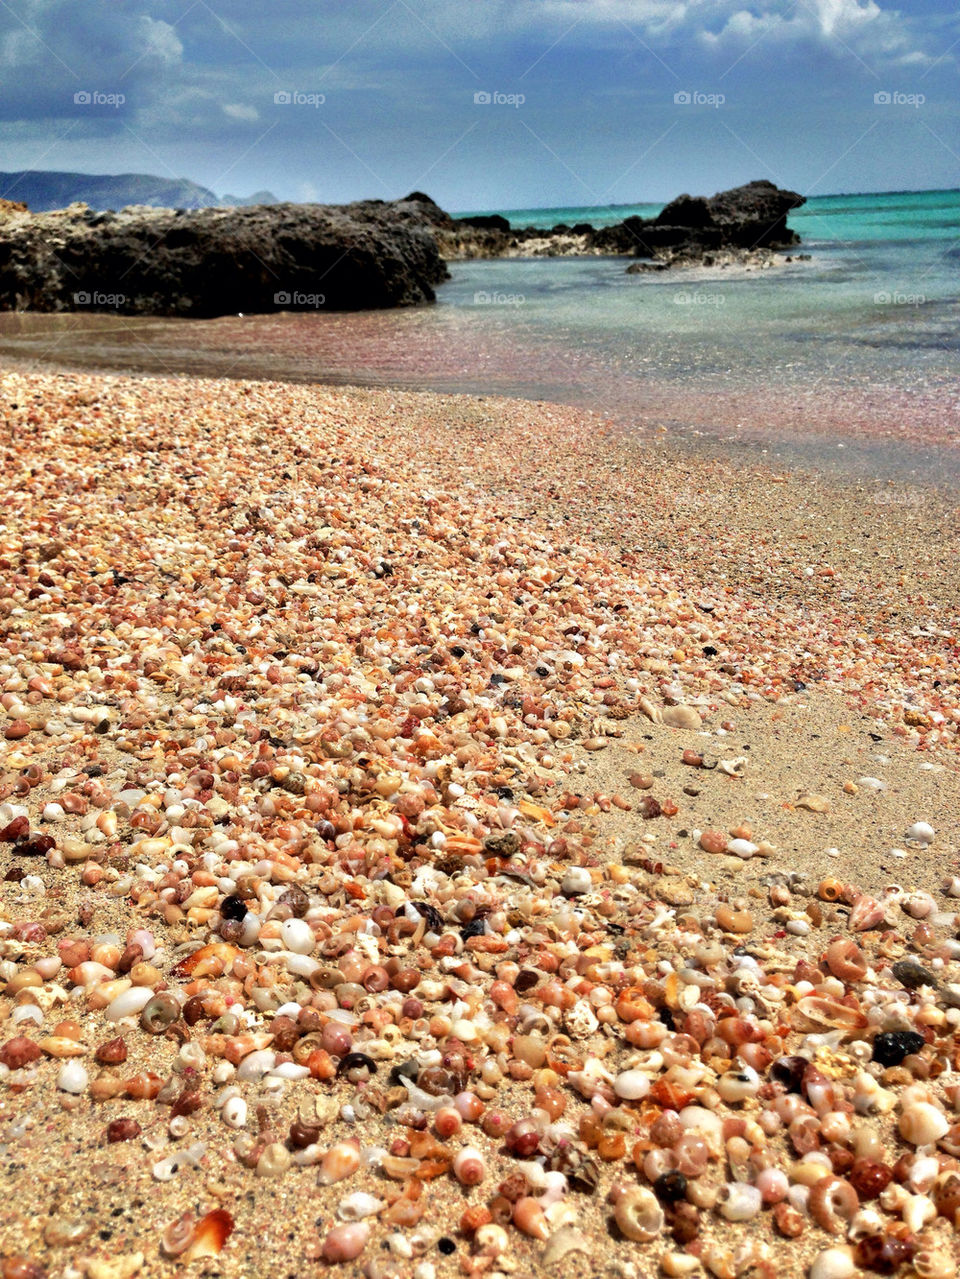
<point x="60" y="1046"/>
<point x="468" y="1166"/>
<point x="189" y="1239"/>
<point x="832" y="1203"/>
<point x="816" y="1012"/>
<point x="209" y="961"/>
<point x="833" y="1263"/>
<point x="867" y="913"/>
<point x="339" y="1163"/>
<point x="652" y="712"/>
<point x="345" y="1243"/>
<point x="530" y="1219"/>
<point x="681" y="717"/>
<point x="920" y="833"/>
<point x="359" y="1205"/>
<point x="563" y="1242"/>
<point x="734" y="767"/>
<point x="638" y="1214"/>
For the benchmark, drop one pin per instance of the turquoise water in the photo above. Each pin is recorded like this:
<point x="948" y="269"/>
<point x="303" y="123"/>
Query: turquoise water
<point x="876" y="303"/>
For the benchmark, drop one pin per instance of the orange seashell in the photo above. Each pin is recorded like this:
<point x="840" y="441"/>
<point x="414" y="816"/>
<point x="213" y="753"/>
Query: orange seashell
<point x="529" y="1217"/>
<point x="188" y="1240"/>
<point x="538" y="813"/>
<point x="670" y="1095"/>
<point x="208" y="961"/>
<point x="830" y="889"/>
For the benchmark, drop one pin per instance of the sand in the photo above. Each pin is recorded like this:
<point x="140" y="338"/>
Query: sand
<point x="812" y="621"/>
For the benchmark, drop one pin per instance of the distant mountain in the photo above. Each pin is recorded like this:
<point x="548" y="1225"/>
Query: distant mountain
<point x="42" y="191"/>
<point x="246" y="201"/>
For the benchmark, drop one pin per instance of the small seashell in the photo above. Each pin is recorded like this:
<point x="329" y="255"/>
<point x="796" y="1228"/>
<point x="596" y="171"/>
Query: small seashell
<point x="345" y="1243"/>
<point x="72" y="1078"/>
<point x="340" y="1161"/>
<point x="833" y="1263"/>
<point x="867" y="913"/>
<point x="638" y="1214"/>
<point x="60" y="1046"/>
<point x="468" y="1166"/>
<point x="813" y="803"/>
<point x="359" y="1205"/>
<point x="189" y="1239"/>
<point x="920" y="833"/>
<point x="563" y="1242"/>
<point x="734" y="767"/>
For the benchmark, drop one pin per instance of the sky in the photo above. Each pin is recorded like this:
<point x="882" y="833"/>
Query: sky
<point x="486" y="104"/>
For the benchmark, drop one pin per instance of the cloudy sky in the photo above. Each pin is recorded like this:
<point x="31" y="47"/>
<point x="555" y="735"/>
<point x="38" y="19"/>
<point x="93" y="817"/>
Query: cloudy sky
<point x="486" y="103"/>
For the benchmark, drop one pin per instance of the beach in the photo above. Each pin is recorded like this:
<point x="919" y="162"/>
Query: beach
<point x="667" y="744"/>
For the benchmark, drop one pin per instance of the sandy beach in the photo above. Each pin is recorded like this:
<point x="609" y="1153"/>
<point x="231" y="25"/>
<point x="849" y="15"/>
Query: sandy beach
<point x="647" y="733"/>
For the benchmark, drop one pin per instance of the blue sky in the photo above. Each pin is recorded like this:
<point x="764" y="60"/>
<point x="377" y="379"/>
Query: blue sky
<point x="591" y="101"/>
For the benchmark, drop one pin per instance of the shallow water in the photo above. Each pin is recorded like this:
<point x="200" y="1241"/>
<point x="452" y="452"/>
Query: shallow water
<point x="850" y="360"/>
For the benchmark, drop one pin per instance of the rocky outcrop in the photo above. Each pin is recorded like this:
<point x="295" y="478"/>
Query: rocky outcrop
<point x="209" y="262"/>
<point x="734" y="223"/>
<point x="218" y="261"/>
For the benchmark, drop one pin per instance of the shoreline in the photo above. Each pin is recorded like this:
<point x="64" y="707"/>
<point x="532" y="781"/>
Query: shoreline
<point x="255" y="576"/>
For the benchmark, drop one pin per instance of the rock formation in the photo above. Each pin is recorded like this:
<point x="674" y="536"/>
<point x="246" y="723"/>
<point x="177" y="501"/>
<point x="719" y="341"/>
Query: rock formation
<point x="210" y="262"/>
<point x="217" y="261"/>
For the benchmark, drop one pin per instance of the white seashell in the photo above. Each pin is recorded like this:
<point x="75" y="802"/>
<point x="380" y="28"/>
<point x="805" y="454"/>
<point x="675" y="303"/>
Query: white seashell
<point x="234" y="1112"/>
<point x="920" y="833"/>
<point x="833" y="1263"/>
<point x="129" y="1003"/>
<point x="298" y="936"/>
<point x="734" y="767"/>
<point x="580" y="1019"/>
<point x="256" y="1064"/>
<point x="72" y="1078"/>
<point x="742" y="848"/>
<point x="359" y="1205"/>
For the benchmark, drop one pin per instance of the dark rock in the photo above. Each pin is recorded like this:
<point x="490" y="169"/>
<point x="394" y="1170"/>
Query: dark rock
<point x="485" y="222"/>
<point x="686" y="211"/>
<point x="211" y="262"/>
<point x="755" y="215"/>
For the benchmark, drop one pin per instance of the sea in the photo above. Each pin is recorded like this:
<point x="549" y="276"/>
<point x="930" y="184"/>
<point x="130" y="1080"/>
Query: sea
<point x="846" y="357"/>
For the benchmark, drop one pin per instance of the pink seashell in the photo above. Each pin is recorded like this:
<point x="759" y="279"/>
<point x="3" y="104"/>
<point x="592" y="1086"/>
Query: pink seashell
<point x="867" y="913"/>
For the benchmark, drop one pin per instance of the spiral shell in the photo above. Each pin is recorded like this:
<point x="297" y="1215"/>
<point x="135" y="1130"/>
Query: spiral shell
<point x="638" y="1214"/>
<point x="832" y="1203"/>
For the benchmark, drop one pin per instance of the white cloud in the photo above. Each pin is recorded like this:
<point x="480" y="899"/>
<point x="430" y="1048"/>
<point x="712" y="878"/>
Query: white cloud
<point x="847" y="27"/>
<point x="240" y="111"/>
